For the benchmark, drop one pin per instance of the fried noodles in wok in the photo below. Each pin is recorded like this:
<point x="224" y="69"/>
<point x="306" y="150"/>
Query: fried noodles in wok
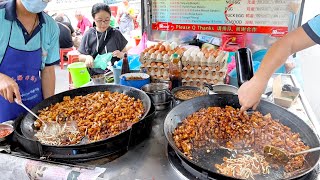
<point x="233" y="129"/>
<point x="98" y="116"/>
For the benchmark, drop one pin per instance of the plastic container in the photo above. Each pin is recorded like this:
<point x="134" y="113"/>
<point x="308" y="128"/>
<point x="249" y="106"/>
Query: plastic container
<point x="134" y="65"/>
<point x="137" y="83"/>
<point x="79" y="74"/>
<point x="137" y="40"/>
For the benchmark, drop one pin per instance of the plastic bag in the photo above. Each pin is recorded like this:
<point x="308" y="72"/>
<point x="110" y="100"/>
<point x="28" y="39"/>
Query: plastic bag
<point x="141" y="47"/>
<point x="102" y="61"/>
<point x="134" y="63"/>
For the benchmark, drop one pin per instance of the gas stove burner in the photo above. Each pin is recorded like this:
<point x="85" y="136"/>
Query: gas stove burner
<point x="185" y="169"/>
<point x="191" y="172"/>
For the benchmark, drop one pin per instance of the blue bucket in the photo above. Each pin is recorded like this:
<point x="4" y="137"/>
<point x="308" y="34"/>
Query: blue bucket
<point x="124" y="80"/>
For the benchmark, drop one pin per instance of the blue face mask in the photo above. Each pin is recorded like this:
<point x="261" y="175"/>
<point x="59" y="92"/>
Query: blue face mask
<point x="35" y="6"/>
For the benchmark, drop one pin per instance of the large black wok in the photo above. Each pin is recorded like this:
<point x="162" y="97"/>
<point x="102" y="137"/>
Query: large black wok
<point x="28" y="129"/>
<point x="206" y="161"/>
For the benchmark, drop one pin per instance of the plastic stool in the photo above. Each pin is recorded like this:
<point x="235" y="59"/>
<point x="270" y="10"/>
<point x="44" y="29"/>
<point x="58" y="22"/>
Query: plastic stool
<point x="64" y="51"/>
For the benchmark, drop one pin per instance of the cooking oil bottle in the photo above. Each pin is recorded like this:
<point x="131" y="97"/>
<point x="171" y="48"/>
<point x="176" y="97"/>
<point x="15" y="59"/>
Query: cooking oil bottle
<point x="175" y="68"/>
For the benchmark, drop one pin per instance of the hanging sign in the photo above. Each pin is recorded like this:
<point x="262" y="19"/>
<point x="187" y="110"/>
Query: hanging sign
<point x="245" y="16"/>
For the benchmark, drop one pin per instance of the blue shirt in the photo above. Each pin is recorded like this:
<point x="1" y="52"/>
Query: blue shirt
<point x="312" y="28"/>
<point x="46" y="33"/>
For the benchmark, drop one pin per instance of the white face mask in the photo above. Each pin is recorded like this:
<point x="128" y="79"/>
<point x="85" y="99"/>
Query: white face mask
<point x="35" y="6"/>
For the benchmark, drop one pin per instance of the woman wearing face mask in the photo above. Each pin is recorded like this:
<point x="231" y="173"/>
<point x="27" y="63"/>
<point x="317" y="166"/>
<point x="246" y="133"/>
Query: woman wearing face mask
<point x="102" y="38"/>
<point x="28" y="50"/>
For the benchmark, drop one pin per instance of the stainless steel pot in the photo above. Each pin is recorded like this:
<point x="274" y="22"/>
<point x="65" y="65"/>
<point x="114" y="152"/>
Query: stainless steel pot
<point x="229" y="89"/>
<point x="158" y="93"/>
<point x="163" y="106"/>
<point x="221" y="89"/>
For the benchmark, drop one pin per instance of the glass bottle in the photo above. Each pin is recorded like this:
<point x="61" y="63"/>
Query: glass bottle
<point x="125" y="65"/>
<point x="175" y="68"/>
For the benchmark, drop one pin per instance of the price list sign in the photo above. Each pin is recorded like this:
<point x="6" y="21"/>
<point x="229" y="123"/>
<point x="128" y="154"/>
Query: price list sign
<point x="245" y="16"/>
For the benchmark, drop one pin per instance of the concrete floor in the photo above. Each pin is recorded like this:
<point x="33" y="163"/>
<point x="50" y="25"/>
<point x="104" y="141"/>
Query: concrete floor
<point x="62" y="82"/>
<point x="309" y="59"/>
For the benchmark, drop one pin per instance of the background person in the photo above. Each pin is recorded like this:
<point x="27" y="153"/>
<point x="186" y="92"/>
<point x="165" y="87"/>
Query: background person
<point x="125" y="16"/>
<point x="66" y="33"/>
<point x="94" y="39"/>
<point x="83" y="23"/>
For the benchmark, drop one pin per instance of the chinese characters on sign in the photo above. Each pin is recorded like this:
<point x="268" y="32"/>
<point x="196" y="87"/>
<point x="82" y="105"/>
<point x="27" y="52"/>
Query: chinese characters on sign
<point x="250" y="16"/>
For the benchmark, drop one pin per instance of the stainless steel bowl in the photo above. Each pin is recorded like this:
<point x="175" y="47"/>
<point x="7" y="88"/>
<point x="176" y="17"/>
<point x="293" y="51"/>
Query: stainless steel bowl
<point x="158" y="92"/>
<point x="222" y="89"/>
<point x="6" y="127"/>
<point x="99" y="79"/>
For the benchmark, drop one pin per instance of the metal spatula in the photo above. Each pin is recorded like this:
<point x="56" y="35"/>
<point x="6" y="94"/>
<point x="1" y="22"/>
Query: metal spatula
<point x="85" y="139"/>
<point x="278" y="156"/>
<point x="26" y="108"/>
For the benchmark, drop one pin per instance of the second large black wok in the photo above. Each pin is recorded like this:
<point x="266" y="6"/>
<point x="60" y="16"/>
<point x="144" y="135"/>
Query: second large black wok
<point x="207" y="161"/>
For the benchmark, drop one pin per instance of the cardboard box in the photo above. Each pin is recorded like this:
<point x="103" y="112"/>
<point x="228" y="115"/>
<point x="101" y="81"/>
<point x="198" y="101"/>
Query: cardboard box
<point x="280" y="97"/>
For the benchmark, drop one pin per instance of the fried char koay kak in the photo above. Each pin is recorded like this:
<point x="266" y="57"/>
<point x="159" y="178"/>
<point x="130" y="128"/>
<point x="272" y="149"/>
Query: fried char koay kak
<point x="189" y="94"/>
<point x="233" y="129"/>
<point x="98" y="116"/>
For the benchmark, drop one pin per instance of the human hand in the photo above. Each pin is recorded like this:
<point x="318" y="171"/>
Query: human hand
<point x="250" y="93"/>
<point x="89" y="61"/>
<point x="118" y="54"/>
<point x="9" y="89"/>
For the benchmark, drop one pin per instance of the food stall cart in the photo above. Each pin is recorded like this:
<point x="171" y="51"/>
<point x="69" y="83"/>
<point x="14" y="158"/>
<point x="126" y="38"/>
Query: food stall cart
<point x="150" y="157"/>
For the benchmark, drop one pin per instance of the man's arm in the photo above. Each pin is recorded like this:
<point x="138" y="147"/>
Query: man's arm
<point x="48" y="80"/>
<point x="279" y="52"/>
<point x="73" y="34"/>
<point x="9" y="89"/>
<point x="250" y="92"/>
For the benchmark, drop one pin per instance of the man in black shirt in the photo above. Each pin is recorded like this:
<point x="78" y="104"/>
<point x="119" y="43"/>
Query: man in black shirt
<point x="66" y="32"/>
